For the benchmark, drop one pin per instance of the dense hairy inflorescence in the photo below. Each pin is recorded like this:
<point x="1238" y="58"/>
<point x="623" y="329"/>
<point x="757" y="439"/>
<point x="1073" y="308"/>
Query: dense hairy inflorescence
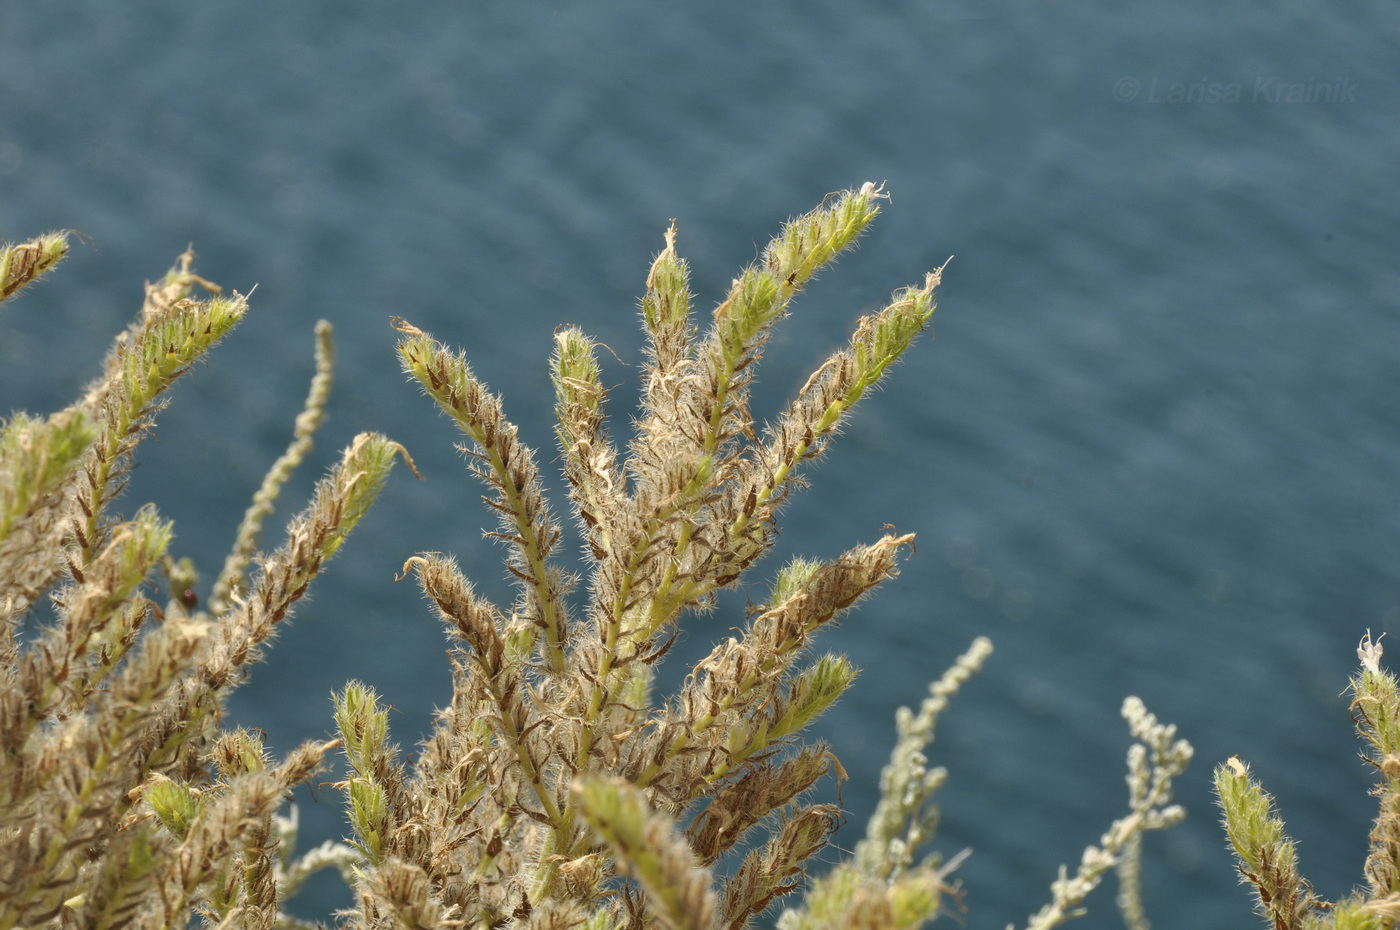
<point x="121" y="801"/>
<point x="1267" y="857"/>
<point x="557" y="767"/>
<point x="557" y="789"/>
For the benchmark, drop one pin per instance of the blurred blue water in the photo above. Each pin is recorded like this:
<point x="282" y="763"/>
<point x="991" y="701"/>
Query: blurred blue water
<point x="1152" y="450"/>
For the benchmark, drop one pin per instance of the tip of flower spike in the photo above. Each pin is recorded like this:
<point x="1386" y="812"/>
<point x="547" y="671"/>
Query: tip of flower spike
<point x="935" y="277"/>
<point x="1370" y="652"/>
<point x="872" y="191"/>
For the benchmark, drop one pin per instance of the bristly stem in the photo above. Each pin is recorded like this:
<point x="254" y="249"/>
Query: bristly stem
<point x="759" y="297"/>
<point x="23" y="263"/>
<point x="510" y="470"/>
<point x="172" y="333"/>
<point x="308" y="421"/>
<point x="718" y="390"/>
